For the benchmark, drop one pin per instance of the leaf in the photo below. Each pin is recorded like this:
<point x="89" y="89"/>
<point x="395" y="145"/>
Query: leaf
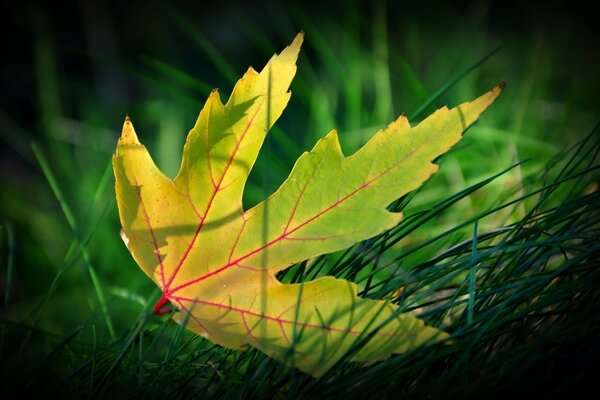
<point x="217" y="262"/>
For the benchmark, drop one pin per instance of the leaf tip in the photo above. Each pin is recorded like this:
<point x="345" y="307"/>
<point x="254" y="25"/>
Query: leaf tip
<point x="128" y="135"/>
<point x="402" y="121"/>
<point x="496" y="90"/>
<point x="214" y="98"/>
<point x="298" y="39"/>
<point x="294" y="48"/>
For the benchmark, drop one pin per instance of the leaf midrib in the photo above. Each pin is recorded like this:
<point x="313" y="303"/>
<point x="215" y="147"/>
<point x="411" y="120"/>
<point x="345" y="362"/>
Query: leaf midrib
<point x="216" y="190"/>
<point x="283" y="236"/>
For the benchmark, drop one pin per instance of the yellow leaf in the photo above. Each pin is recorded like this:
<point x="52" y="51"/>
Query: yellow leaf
<point x="216" y="262"/>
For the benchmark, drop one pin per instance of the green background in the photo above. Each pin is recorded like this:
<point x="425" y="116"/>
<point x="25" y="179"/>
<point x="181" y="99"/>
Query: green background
<point x="71" y="72"/>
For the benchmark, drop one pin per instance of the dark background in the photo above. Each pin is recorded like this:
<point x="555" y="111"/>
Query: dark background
<point x="71" y="71"/>
<point x="95" y="46"/>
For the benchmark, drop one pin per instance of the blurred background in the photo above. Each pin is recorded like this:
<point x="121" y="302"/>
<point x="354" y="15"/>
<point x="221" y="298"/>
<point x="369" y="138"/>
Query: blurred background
<point x="71" y="71"/>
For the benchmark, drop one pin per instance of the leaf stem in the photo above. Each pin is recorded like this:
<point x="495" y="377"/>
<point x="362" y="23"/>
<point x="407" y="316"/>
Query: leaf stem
<point x="159" y="307"/>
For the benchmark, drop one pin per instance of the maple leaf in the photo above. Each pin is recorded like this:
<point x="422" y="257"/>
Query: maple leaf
<point x="216" y="262"/>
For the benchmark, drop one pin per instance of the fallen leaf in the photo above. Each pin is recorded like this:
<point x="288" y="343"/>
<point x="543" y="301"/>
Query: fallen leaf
<point x="216" y="262"/>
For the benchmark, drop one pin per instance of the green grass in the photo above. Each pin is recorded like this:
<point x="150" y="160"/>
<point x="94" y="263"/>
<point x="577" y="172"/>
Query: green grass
<point x="500" y="248"/>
